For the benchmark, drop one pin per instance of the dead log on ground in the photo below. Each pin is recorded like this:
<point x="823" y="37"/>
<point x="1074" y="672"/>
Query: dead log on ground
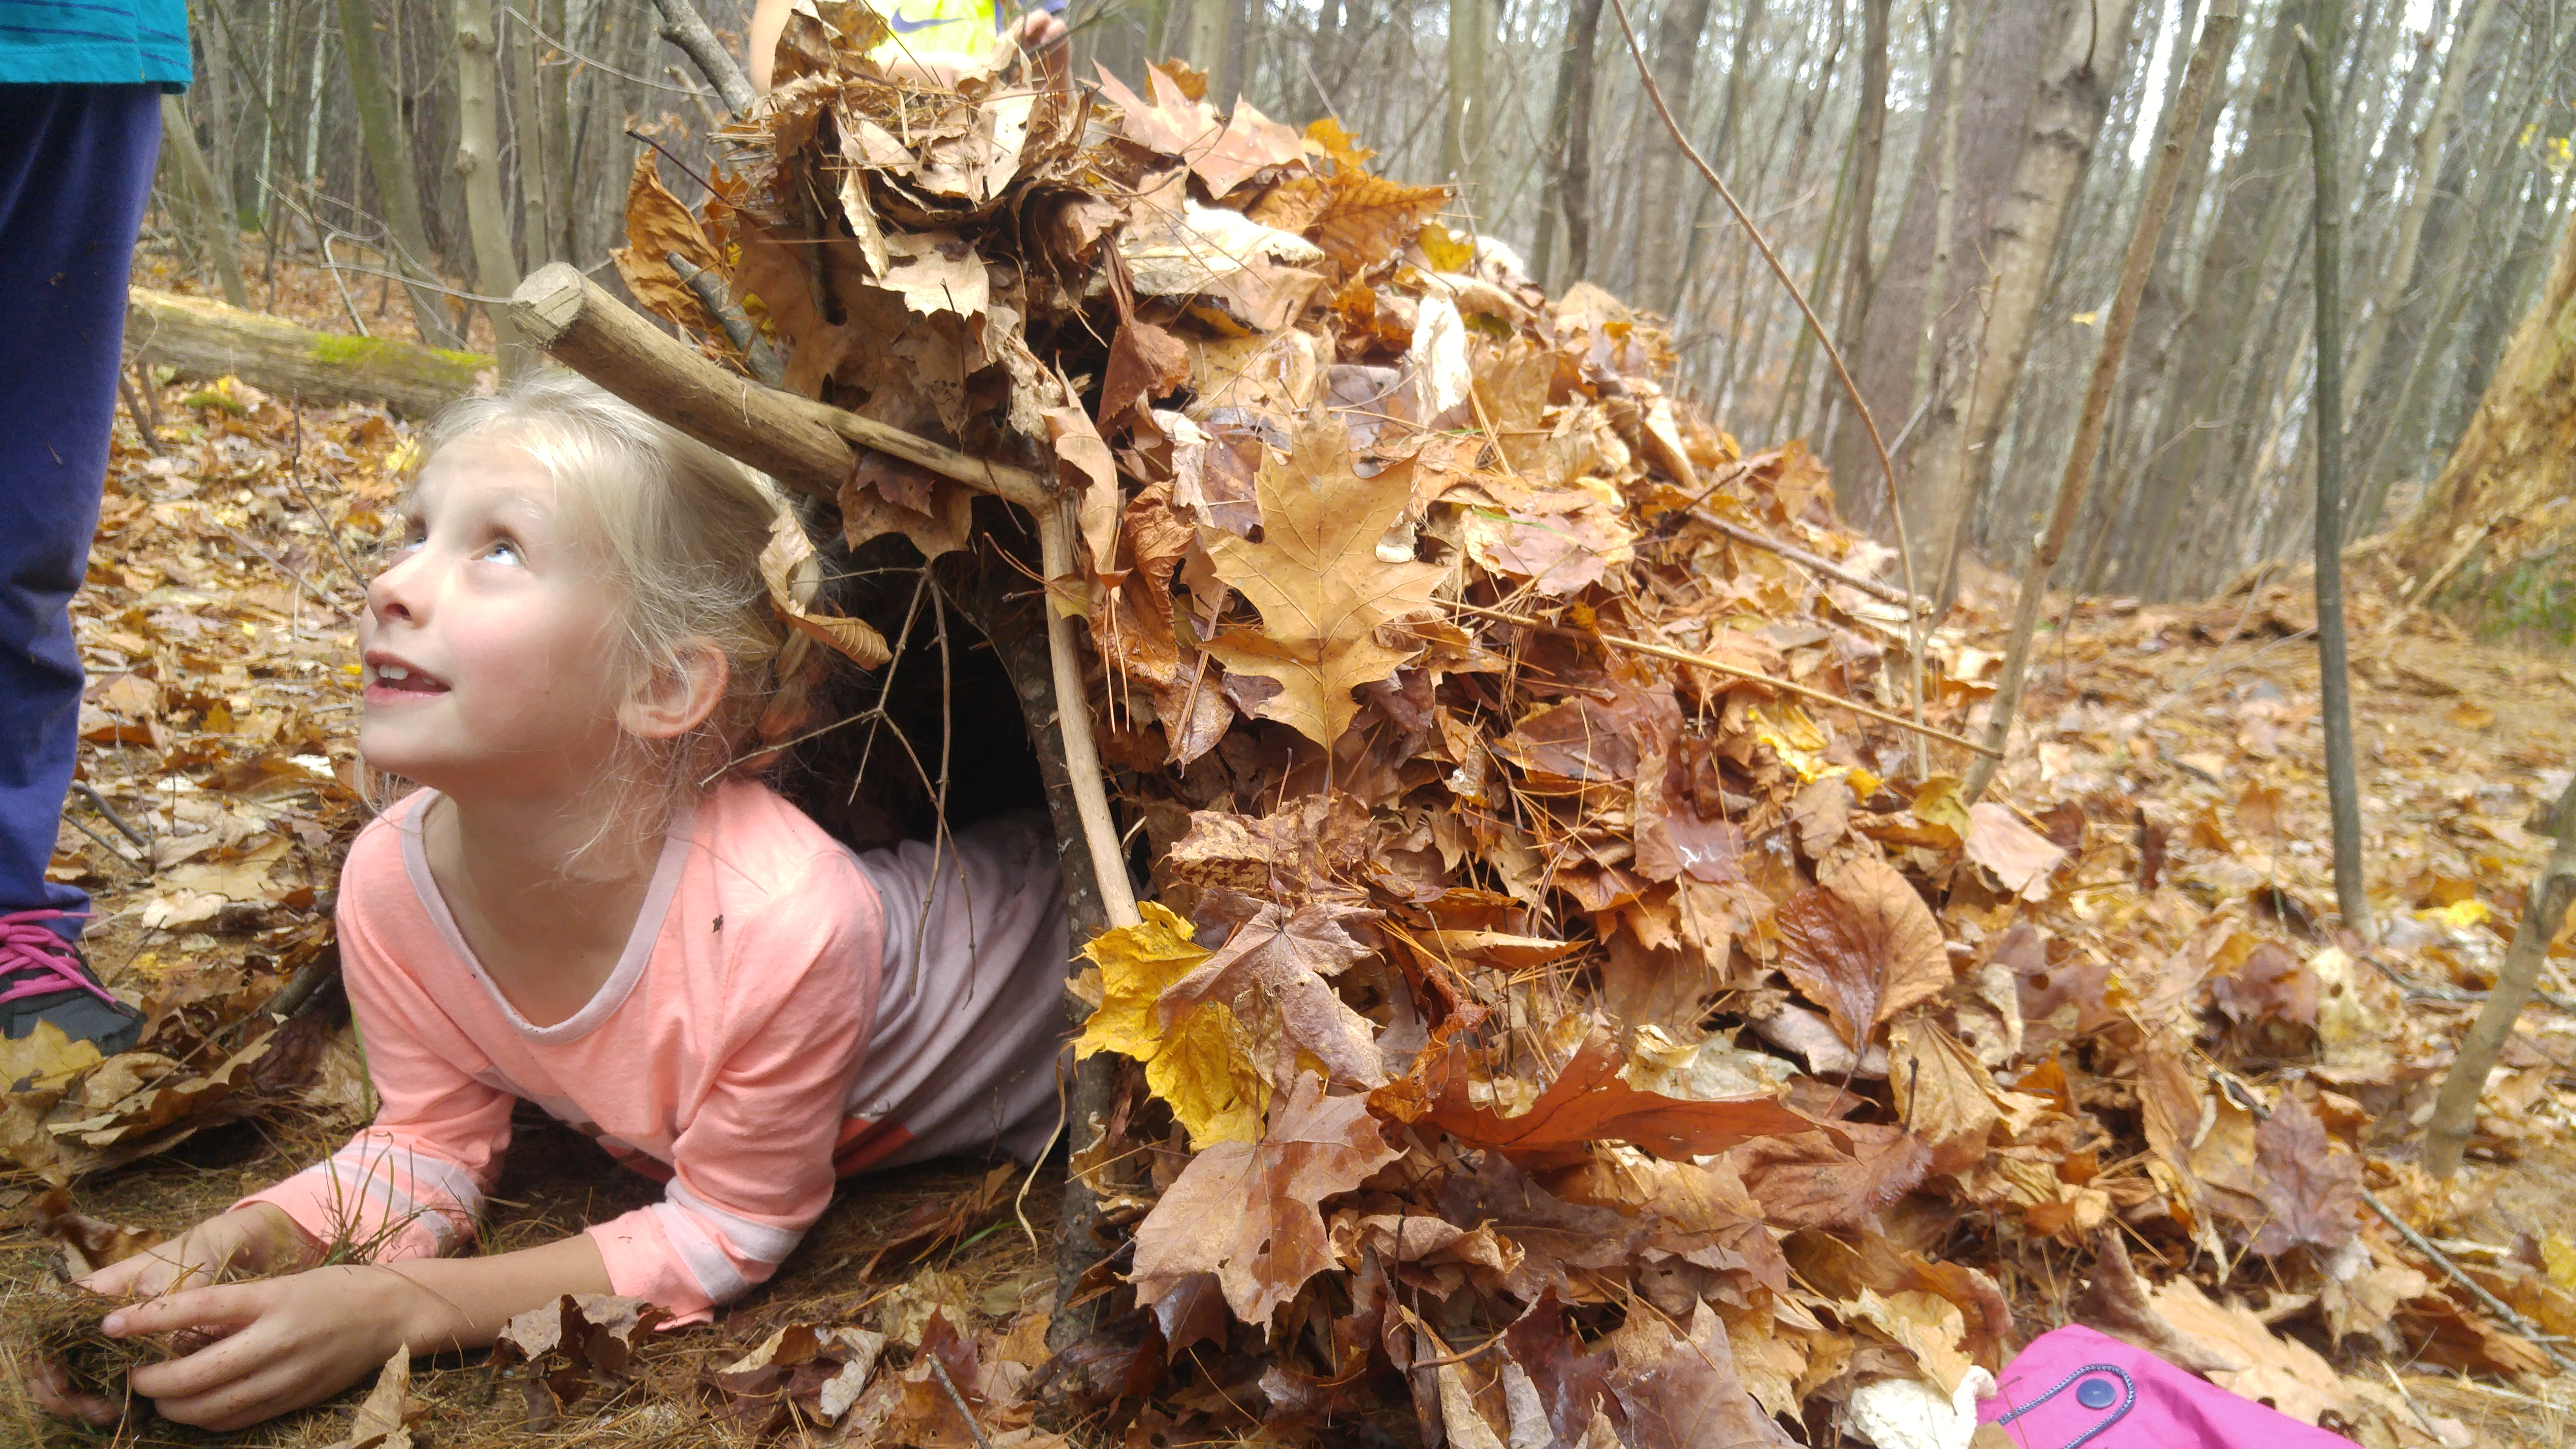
<point x="200" y="338"/>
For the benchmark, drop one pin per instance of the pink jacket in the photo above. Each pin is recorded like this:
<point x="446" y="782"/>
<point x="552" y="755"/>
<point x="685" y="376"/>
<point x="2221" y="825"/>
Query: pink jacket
<point x="785" y="1012"/>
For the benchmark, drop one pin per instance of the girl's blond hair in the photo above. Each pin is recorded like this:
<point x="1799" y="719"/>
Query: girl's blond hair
<point x="679" y="532"/>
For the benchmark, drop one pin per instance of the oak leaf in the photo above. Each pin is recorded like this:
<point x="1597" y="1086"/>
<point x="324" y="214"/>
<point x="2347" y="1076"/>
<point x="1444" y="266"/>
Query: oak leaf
<point x="1589" y="1102"/>
<point x="2019" y="856"/>
<point x="657" y="225"/>
<point x="1200" y="1065"/>
<point x="1271" y="971"/>
<point x="1693" y="1398"/>
<point x="1863" y="946"/>
<point x="1806" y="1181"/>
<point x="1248" y="1211"/>
<point x="1317" y="580"/>
<point x="789" y="566"/>
<point x="2313" y="1190"/>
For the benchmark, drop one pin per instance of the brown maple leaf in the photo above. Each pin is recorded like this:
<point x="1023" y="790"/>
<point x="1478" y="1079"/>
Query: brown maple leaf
<point x="1318" y="582"/>
<point x="1863" y="946"/>
<point x="1271" y="972"/>
<point x="2313" y="1191"/>
<point x="1588" y="1102"/>
<point x="1247" y="1211"/>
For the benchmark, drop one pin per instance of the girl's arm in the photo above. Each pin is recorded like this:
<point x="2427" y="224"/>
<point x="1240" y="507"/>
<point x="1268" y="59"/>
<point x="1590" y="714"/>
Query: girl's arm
<point x="299" y="1339"/>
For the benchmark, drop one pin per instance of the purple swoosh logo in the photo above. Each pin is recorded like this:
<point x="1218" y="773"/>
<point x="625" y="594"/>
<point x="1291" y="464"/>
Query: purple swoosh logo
<point x="902" y="26"/>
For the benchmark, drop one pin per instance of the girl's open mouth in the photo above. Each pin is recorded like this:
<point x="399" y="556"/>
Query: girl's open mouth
<point x="390" y="679"/>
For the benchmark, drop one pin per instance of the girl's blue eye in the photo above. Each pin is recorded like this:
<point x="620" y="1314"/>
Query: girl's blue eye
<point x="503" y="550"/>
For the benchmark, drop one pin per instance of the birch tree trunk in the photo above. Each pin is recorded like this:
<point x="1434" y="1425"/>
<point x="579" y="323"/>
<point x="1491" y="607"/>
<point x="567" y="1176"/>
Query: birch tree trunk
<point x="478" y="165"/>
<point x="2020" y="247"/>
<point x="2208" y="62"/>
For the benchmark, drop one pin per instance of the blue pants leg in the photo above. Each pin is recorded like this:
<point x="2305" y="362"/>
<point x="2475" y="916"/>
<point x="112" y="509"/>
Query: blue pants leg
<point x="75" y="170"/>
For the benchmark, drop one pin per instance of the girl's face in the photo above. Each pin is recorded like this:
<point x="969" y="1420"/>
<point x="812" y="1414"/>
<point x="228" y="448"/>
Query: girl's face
<point x="490" y="643"/>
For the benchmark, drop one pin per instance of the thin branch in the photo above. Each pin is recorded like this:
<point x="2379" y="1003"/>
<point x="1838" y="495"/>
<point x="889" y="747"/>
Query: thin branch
<point x="2497" y="1306"/>
<point x="1738" y="671"/>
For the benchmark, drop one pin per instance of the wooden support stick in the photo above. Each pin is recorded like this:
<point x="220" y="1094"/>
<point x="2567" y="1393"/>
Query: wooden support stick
<point x="1702" y="661"/>
<point x="802" y="443"/>
<point x="1073" y="718"/>
<point x="576" y="322"/>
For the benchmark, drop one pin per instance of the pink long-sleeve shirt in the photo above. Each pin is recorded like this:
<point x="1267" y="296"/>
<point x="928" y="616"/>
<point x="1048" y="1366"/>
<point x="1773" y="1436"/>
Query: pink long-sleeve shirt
<point x="785" y="1012"/>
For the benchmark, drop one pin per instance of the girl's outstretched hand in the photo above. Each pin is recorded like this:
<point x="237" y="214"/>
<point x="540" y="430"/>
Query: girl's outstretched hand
<point x="278" y="1343"/>
<point x="246" y="1240"/>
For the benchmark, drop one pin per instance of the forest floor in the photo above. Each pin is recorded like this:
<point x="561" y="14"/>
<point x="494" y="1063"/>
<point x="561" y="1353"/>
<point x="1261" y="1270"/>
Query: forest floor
<point x="218" y="631"/>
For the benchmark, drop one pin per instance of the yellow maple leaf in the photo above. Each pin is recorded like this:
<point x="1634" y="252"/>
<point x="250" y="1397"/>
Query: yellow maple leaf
<point x="44" y="1058"/>
<point x="1318" y="582"/>
<point x="1201" y="1066"/>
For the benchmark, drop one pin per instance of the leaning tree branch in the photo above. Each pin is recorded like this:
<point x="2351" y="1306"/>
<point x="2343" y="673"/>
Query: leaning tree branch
<point x="684" y="27"/>
<point x="1833" y="354"/>
<point x="2208" y="60"/>
<point x="2455" y="1111"/>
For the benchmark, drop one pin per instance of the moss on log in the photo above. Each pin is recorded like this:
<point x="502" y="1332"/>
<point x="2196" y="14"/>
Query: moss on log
<point x="206" y="339"/>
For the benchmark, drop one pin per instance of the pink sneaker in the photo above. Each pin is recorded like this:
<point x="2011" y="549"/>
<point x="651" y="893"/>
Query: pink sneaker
<point x="44" y="978"/>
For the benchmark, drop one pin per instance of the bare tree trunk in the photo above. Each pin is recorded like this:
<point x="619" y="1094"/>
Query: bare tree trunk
<point x="1869" y="146"/>
<point x="2343" y="787"/>
<point x="1945" y="212"/>
<point x="1656" y="256"/>
<point x="2455" y="1111"/>
<point x="1211" y="31"/>
<point x="478" y="164"/>
<point x="208" y="216"/>
<point x="389" y="162"/>
<point x="528" y="145"/>
<point x="2511" y="462"/>
<point x="2398" y="267"/>
<point x="2020" y="246"/>
<point x="2198" y="416"/>
<point x="1748" y="25"/>
<point x="1463" y="126"/>
<point x="2500" y="304"/>
<point x="2208" y="61"/>
<point x="1583" y="32"/>
<point x="1569" y="130"/>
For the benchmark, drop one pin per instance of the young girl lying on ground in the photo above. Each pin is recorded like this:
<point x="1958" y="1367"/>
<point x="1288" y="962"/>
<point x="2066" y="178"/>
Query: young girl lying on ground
<point x="574" y="637"/>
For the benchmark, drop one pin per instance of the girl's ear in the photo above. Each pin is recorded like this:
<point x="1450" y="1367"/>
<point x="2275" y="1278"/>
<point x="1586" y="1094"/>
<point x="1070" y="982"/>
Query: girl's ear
<point x="673" y="702"/>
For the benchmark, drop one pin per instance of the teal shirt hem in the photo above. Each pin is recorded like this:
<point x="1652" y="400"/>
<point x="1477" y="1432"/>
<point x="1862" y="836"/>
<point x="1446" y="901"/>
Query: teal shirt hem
<point x="95" y="42"/>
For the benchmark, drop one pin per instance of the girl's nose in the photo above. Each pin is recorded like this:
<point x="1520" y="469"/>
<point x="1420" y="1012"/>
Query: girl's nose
<point x="394" y="593"/>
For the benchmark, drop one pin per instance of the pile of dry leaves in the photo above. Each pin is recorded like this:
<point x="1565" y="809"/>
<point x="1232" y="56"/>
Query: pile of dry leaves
<point x="1559" y="1022"/>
